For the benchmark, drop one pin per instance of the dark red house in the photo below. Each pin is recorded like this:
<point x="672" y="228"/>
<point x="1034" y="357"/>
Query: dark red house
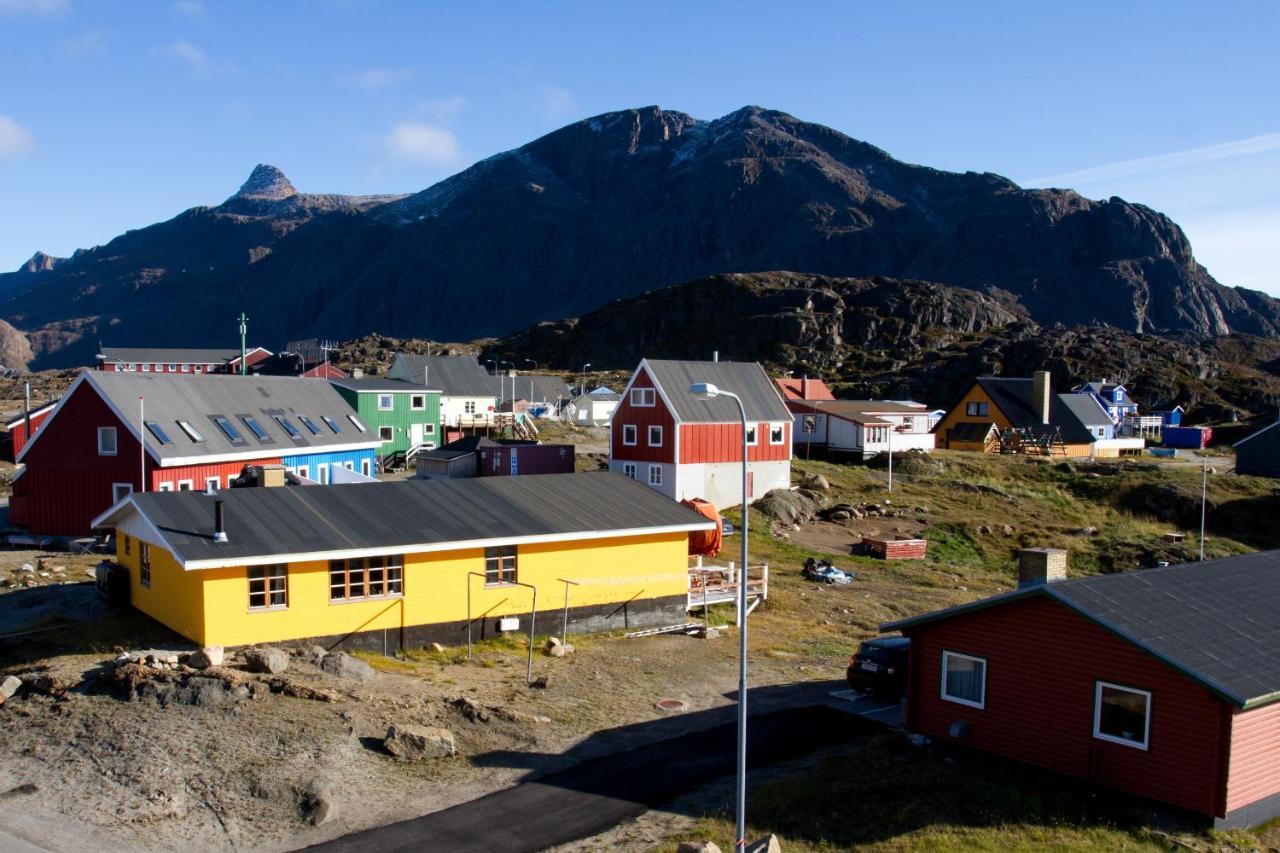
<point x="686" y="447"/>
<point x="190" y="361"/>
<point x="17" y="428"/>
<point x="1162" y="682"/>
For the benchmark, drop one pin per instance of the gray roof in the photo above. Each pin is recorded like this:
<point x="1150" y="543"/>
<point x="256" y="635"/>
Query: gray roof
<point x="1216" y="622"/>
<point x="272" y="522"/>
<point x="600" y="394"/>
<point x="760" y="396"/>
<point x="454" y="375"/>
<point x="1015" y="398"/>
<point x="168" y="398"/>
<point x="546" y="388"/>
<point x="172" y="356"/>
<point x="372" y="384"/>
<point x="1087" y="409"/>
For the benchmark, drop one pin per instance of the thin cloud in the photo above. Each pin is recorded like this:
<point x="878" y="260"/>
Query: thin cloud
<point x="557" y="101"/>
<point x="190" y="54"/>
<point x="442" y="109"/>
<point x="415" y="142"/>
<point x="15" y="140"/>
<point x="33" y="7"/>
<point x="189" y="8"/>
<point x="377" y="78"/>
<point x="1177" y="160"/>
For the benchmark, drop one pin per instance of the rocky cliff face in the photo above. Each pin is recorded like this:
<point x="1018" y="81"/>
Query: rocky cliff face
<point x="617" y="205"/>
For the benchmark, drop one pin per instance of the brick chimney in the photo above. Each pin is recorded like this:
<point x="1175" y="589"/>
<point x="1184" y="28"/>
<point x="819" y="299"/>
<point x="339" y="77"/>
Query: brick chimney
<point x="1037" y="566"/>
<point x="1041" y="394"/>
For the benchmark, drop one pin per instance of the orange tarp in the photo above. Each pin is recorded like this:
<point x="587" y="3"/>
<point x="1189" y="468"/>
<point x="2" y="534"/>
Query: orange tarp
<point x="705" y="542"/>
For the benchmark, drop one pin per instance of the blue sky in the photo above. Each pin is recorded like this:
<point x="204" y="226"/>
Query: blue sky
<point x="114" y="115"/>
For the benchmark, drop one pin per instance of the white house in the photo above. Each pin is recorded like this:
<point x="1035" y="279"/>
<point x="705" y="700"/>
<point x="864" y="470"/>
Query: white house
<point x="468" y="394"/>
<point x="594" y="408"/>
<point x="866" y="427"/>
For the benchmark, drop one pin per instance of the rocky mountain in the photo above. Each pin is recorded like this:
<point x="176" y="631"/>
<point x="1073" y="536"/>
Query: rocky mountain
<point x="614" y="206"/>
<point x="898" y="339"/>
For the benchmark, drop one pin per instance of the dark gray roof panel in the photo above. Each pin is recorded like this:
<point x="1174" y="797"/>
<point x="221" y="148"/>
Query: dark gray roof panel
<point x="167" y="356"/>
<point x="1086" y="409"/>
<point x="195" y="399"/>
<point x="264" y="522"/>
<point x="760" y="396"/>
<point x="454" y="375"/>
<point x="1014" y="397"/>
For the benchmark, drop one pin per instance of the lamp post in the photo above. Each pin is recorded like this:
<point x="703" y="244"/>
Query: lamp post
<point x="535" y="370"/>
<point x="582" y="384"/>
<point x="1204" y="496"/>
<point x="502" y="392"/>
<point x="708" y="391"/>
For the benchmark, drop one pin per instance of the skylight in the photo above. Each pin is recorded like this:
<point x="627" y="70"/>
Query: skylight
<point x="309" y="424"/>
<point x="228" y="429"/>
<point x="288" y="427"/>
<point x="357" y="423"/>
<point x="331" y="423"/>
<point x="190" y="431"/>
<point x="159" y="433"/>
<point x="254" y="427"/>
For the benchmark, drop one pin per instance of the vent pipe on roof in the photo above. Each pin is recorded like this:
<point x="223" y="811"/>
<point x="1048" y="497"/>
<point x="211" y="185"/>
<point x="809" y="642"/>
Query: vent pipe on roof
<point x="1041" y="394"/>
<point x="715" y="356"/>
<point x="804" y="388"/>
<point x="219" y="526"/>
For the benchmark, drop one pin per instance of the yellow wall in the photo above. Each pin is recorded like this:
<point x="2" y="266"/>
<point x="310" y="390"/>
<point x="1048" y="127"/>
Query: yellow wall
<point x="435" y="590"/>
<point x="175" y="597"/>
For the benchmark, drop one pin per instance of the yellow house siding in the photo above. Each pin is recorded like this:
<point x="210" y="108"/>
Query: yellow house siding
<point x="957" y="416"/>
<point x="435" y="589"/>
<point x="174" y="598"/>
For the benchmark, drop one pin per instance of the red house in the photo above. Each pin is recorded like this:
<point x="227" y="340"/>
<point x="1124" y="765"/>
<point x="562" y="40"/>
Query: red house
<point x="199" y="432"/>
<point x="1163" y="682"/>
<point x="686" y="447"/>
<point x="149" y="360"/>
<point x="804" y="388"/>
<point x="17" y="428"/>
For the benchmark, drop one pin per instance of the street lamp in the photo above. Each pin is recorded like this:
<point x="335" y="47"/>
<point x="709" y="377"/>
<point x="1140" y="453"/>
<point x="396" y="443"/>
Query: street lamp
<point x="535" y="370"/>
<point x="708" y="391"/>
<point x="582" y="385"/>
<point x="502" y="391"/>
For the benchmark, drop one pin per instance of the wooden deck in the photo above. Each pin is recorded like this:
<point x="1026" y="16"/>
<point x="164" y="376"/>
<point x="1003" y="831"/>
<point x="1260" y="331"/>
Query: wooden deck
<point x="718" y="584"/>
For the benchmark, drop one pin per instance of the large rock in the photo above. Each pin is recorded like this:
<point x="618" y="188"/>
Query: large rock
<point x="206" y="657"/>
<point x="815" y="481"/>
<point x="769" y="844"/>
<point x="415" y="743"/>
<point x="268" y="660"/>
<point x="344" y="665"/>
<point x="787" y="506"/>
<point x="10" y="686"/>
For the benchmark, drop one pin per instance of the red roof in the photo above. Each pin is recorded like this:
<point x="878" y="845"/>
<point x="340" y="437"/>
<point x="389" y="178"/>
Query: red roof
<point x="804" y="389"/>
<point x="325" y="370"/>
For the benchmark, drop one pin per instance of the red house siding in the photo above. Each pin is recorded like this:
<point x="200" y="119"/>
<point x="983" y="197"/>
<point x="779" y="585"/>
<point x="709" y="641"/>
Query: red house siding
<point x="1254" y="770"/>
<point x="723" y="443"/>
<point x="200" y="474"/>
<point x="1043" y="662"/>
<point x="19" y="431"/>
<point x="643" y="417"/>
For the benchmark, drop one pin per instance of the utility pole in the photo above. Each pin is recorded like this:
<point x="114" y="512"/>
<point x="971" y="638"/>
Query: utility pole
<point x="244" y="369"/>
<point x="142" y="445"/>
<point x="1204" y="492"/>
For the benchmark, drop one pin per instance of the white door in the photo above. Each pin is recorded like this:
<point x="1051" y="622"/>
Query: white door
<point x="415" y="435"/>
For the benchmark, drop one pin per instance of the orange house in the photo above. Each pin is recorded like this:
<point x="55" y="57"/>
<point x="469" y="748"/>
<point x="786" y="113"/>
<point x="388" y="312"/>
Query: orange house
<point x="1018" y="415"/>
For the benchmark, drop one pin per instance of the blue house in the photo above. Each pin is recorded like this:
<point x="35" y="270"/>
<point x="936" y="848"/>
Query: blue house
<point x="1112" y="396"/>
<point x="1170" y="417"/>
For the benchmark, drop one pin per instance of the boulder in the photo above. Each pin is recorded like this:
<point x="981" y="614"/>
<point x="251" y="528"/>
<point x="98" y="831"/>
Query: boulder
<point x="269" y="660"/>
<point x="415" y="743"/>
<point x="815" y="481"/>
<point x="318" y="803"/>
<point x="539" y="683"/>
<point x="697" y="847"/>
<point x="10" y="686"/>
<point x="1007" y="530"/>
<point x="787" y="506"/>
<point x="205" y="658"/>
<point x="344" y="665"/>
<point x="436" y="647"/>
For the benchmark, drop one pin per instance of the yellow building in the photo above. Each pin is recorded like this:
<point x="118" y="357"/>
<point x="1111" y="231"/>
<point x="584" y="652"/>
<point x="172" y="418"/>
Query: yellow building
<point x="1021" y="415"/>
<point x="391" y="565"/>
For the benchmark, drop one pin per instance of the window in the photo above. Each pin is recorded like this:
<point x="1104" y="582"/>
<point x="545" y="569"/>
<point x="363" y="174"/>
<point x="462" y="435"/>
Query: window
<point x="309" y="424"/>
<point x="322" y="473"/>
<point x="304" y="472"/>
<point x="190" y="431"/>
<point x="469" y="407"/>
<point x="428" y="429"/>
<point x="356" y="423"/>
<point x="366" y="577"/>
<point x="106" y="441"/>
<point x="268" y="587"/>
<point x="159" y="433"/>
<point x="229" y="430"/>
<point x="212" y="484"/>
<point x="256" y="428"/>
<point x="655" y="475"/>
<point x="655" y="436"/>
<point x="497" y="462"/>
<point x="364" y="467"/>
<point x="976" y="410"/>
<point x="386" y="433"/>
<point x="120" y="491"/>
<point x="1122" y="714"/>
<point x="185" y="485"/>
<point x="331" y="424"/>
<point x="173" y="368"/>
<point x="386" y="402"/>
<point x="199" y="368"/>
<point x="500" y="565"/>
<point x="777" y="435"/>
<point x="418" y="402"/>
<point x="629" y="434"/>
<point x="128" y="545"/>
<point x="144" y="564"/>
<point x="643" y="397"/>
<point x="964" y="679"/>
<point x="186" y="368"/>
<point x="146" y="368"/>
<point x="166" y="487"/>
<point x="629" y="469"/>
<point x="751" y="434"/>
<point x="287" y="427"/>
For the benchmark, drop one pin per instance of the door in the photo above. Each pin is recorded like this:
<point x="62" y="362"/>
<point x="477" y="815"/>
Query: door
<point x="751" y="485"/>
<point x="415" y="435"/>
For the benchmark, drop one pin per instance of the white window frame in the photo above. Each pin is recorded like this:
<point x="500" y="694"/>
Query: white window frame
<point x="782" y="434"/>
<point x="655" y="475"/>
<point x="960" y="700"/>
<point x="115" y="490"/>
<point x="635" y="435"/>
<point x="186" y="368"/>
<point x="653" y="443"/>
<point x="165" y="487"/>
<point x="391" y="402"/>
<point x="146" y="368"/>
<point x="304" y="472"/>
<point x="385" y="439"/>
<point x="216" y="482"/>
<point x="418" y="402"/>
<point x="364" y="467"/>
<point x="629" y="469"/>
<point x="115" y="441"/>
<point x="1097" y="715"/>
<point x="144" y="564"/>
<point x="753" y="435"/>
<point x="322" y="473"/>
<point x="469" y="407"/>
<point x="173" y="368"/>
<point x="645" y="398"/>
<point x="190" y="485"/>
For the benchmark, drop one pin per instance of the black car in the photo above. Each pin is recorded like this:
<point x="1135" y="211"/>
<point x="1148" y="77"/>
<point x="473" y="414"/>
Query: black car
<point x="880" y="666"/>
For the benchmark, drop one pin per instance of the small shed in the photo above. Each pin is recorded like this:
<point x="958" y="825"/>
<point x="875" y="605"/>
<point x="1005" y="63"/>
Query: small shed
<point x="1259" y="454"/>
<point x="510" y="459"/>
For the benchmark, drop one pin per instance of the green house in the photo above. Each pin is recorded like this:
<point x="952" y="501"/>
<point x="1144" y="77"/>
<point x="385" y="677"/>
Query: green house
<point x="404" y="415"/>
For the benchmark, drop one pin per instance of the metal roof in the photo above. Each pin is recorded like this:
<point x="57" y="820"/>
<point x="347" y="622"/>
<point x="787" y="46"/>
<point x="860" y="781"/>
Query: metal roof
<point x="1015" y="398"/>
<point x="760" y="395"/>
<point x="858" y="411"/>
<point x="172" y="356"/>
<point x="1087" y="409"/>
<point x="1216" y="621"/>
<point x="168" y="398"/>
<point x="269" y="524"/>
<point x="454" y="375"/>
<point x="372" y="384"/>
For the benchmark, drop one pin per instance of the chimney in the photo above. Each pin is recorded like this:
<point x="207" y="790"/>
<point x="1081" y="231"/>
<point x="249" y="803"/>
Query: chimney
<point x="715" y="356"/>
<point x="1037" y="566"/>
<point x="272" y="475"/>
<point x="357" y="373"/>
<point x="219" y="528"/>
<point x="1041" y="394"/>
<point x="804" y="388"/>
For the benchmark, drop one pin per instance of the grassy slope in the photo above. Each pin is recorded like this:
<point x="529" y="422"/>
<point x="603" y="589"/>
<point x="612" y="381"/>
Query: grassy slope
<point x="892" y="796"/>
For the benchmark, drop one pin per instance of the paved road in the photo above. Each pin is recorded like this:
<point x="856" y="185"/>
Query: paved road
<point x="595" y="795"/>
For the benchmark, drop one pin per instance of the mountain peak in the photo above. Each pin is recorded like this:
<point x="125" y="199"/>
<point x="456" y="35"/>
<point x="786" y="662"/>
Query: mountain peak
<point x="267" y="183"/>
<point x="40" y="262"/>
